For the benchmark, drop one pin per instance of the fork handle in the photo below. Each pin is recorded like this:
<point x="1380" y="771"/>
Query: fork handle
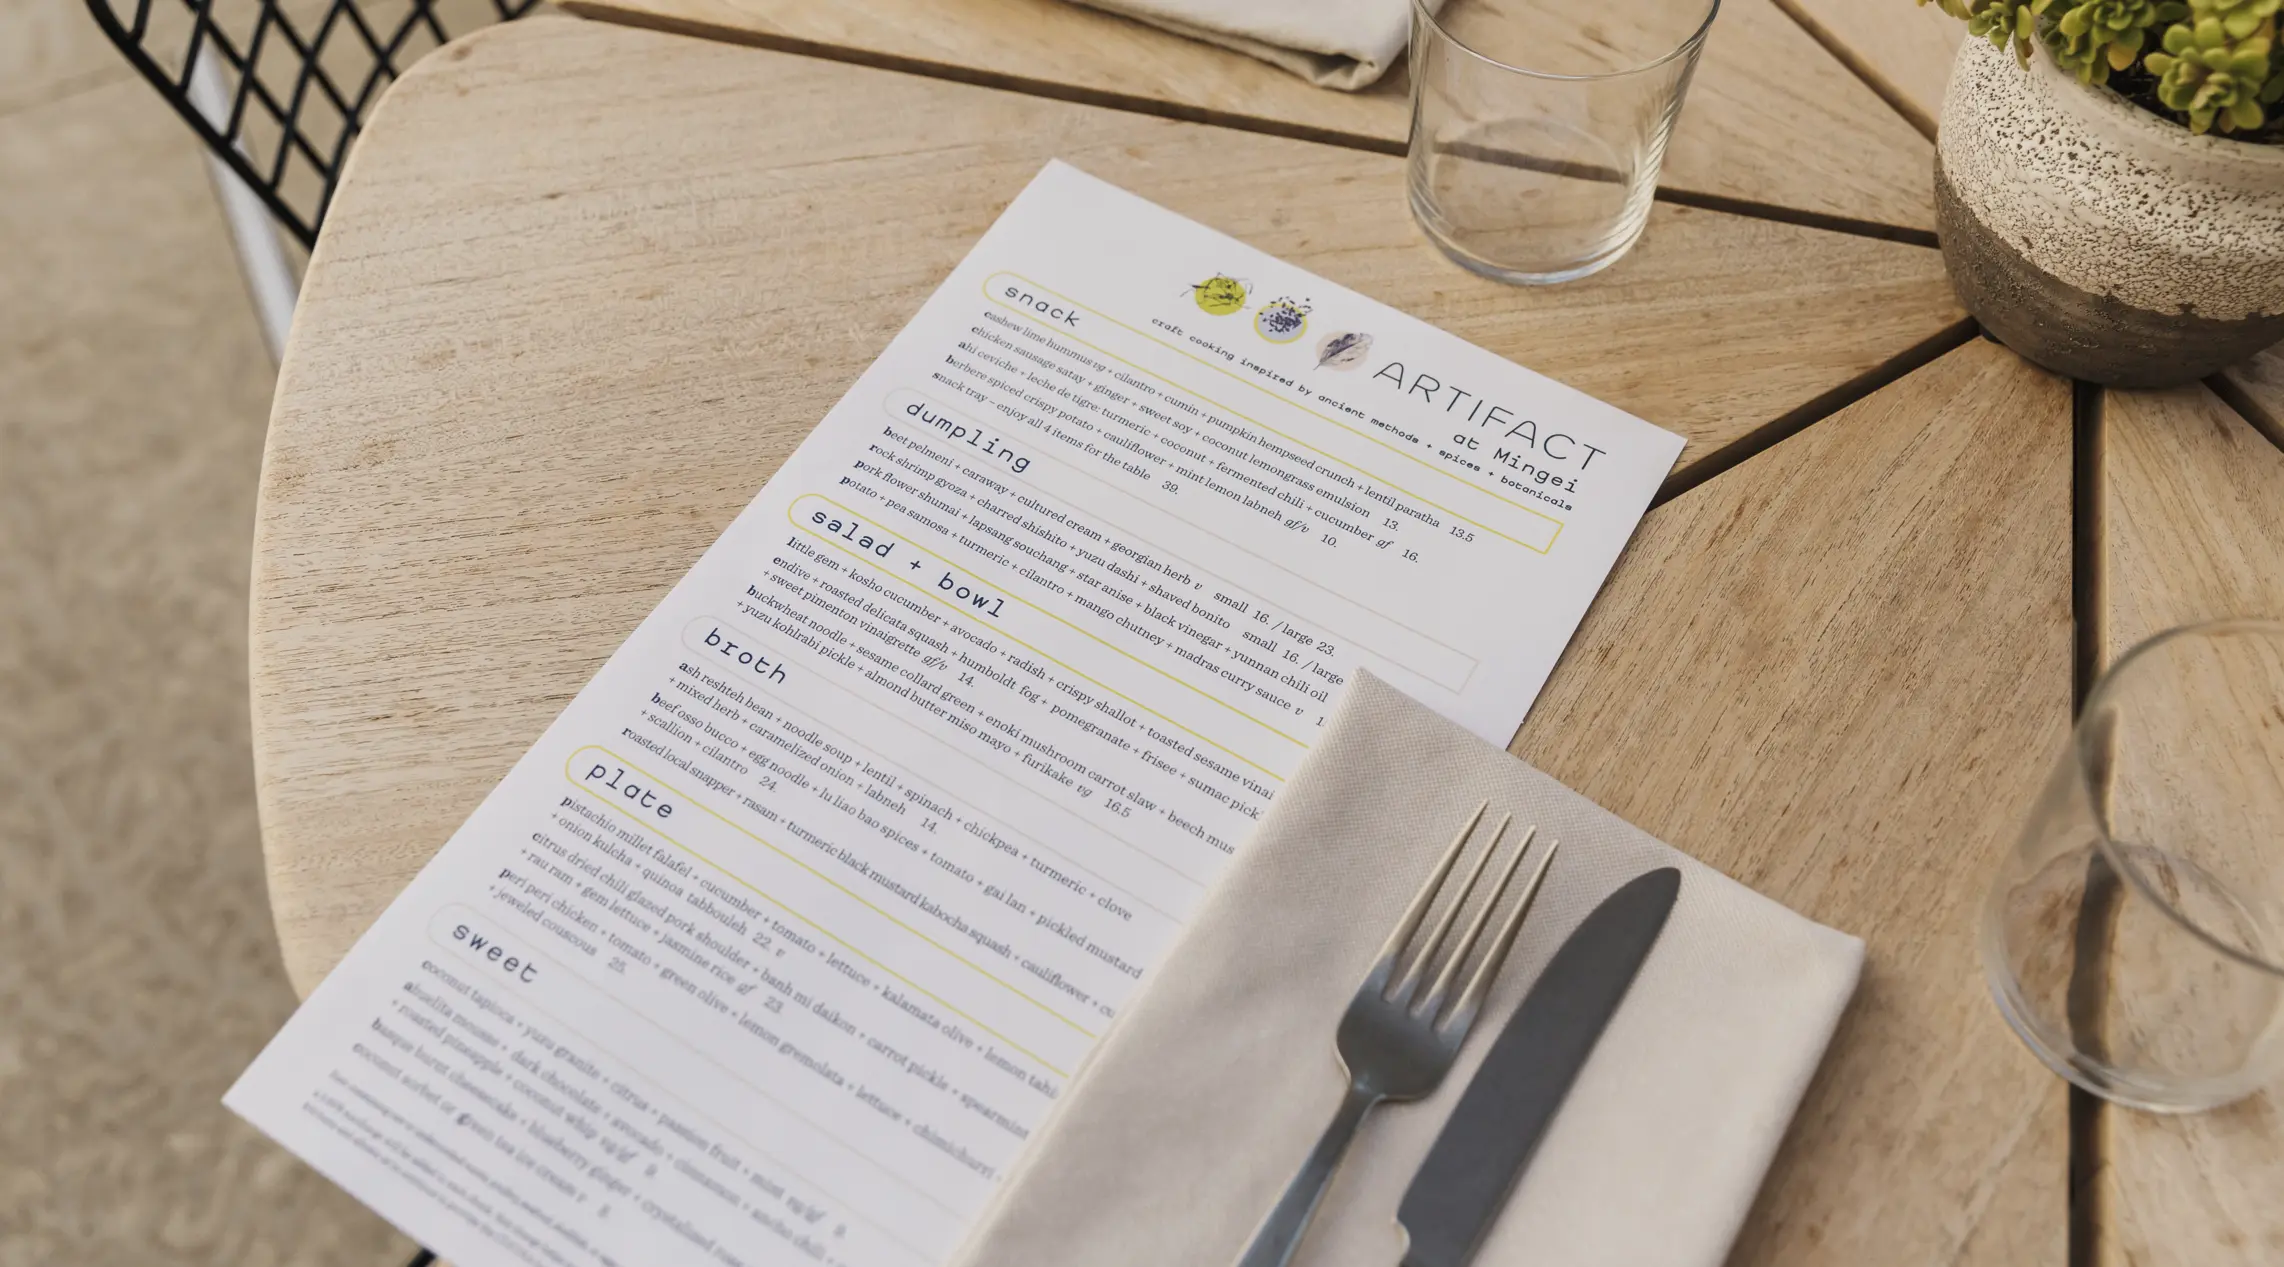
<point x="1280" y="1234"/>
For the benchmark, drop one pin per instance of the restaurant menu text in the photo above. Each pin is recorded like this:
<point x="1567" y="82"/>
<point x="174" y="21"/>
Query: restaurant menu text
<point x="785" y="936"/>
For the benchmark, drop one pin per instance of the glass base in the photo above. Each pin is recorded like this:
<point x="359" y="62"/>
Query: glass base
<point x="1430" y="224"/>
<point x="2089" y="1075"/>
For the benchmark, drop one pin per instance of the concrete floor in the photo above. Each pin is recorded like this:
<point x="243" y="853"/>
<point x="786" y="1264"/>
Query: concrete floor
<point x="138" y="973"/>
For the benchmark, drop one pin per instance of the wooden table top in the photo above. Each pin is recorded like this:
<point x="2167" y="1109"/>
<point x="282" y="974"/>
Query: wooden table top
<point x="559" y="329"/>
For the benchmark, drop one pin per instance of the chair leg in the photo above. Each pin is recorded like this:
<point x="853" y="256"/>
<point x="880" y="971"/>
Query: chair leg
<point x="262" y="258"/>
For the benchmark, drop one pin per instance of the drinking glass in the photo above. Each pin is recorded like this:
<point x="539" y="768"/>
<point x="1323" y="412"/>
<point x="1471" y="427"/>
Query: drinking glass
<point x="2132" y="934"/>
<point x="1538" y="126"/>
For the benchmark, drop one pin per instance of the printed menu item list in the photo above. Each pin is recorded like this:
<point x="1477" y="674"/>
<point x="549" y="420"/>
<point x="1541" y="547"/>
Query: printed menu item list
<point x="786" y="935"/>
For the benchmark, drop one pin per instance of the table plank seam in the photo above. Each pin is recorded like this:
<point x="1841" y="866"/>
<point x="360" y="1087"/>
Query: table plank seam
<point x="2087" y="591"/>
<point x="2087" y="1212"/>
<point x="2269" y="425"/>
<point x="1815" y="409"/>
<point x="2083" y="1214"/>
<point x="1880" y="84"/>
<point x="1179" y="112"/>
<point x="1794" y="215"/>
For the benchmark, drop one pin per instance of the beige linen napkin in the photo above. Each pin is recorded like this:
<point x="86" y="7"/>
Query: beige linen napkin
<point x="1331" y="43"/>
<point x="1196" y="1108"/>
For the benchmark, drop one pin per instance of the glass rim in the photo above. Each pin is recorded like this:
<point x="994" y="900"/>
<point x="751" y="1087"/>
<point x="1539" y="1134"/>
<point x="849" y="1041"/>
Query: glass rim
<point x="1695" y="38"/>
<point x="2105" y="837"/>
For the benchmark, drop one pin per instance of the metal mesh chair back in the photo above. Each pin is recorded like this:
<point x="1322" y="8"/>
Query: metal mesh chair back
<point x="278" y="89"/>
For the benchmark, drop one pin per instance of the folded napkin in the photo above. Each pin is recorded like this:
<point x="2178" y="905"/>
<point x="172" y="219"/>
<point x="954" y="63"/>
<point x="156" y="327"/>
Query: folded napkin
<point x="1196" y="1108"/>
<point x="1331" y="43"/>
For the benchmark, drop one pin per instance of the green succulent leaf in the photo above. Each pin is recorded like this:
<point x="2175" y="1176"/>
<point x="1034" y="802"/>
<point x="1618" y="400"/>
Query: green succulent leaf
<point x="2216" y="62"/>
<point x="2219" y="66"/>
<point x="2091" y="38"/>
<point x="2005" y="23"/>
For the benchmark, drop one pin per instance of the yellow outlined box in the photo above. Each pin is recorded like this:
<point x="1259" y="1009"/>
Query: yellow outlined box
<point x="948" y="564"/>
<point x="1535" y="547"/>
<point x="748" y="885"/>
<point x="655" y="1088"/>
<point x="1049" y="460"/>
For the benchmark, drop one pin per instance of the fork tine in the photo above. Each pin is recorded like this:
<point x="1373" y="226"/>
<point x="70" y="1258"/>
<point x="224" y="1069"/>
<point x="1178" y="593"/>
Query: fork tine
<point x="1463" y="1012"/>
<point x="1425" y="897"/>
<point x="1457" y="959"/>
<point x="1426" y="954"/>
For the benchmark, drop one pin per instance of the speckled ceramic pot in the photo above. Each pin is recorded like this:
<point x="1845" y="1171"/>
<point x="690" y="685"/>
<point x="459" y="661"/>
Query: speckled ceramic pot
<point x="2097" y="239"/>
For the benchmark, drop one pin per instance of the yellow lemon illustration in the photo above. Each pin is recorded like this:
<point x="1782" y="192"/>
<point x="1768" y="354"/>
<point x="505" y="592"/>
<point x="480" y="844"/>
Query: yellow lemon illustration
<point x="1220" y="296"/>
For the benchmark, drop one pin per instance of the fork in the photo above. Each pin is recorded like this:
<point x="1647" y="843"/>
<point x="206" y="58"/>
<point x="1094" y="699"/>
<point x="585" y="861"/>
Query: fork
<point x="1394" y="1043"/>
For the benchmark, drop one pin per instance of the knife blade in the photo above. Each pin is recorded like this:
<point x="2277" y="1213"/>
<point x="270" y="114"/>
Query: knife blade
<point x="1496" y="1126"/>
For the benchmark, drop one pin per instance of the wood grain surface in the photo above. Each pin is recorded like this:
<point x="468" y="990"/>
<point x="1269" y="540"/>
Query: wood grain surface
<point x="1838" y="672"/>
<point x="1770" y="118"/>
<point x="2256" y="388"/>
<point x="2193" y="516"/>
<point x="585" y="286"/>
<point x="2192" y="530"/>
<point x="1901" y="49"/>
<point x="571" y="255"/>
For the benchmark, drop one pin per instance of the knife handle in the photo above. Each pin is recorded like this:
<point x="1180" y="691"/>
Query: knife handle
<point x="1280" y="1233"/>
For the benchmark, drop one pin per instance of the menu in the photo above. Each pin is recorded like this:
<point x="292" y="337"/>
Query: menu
<point x="785" y="936"/>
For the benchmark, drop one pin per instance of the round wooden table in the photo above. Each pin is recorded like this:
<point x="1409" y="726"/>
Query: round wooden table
<point x="586" y="285"/>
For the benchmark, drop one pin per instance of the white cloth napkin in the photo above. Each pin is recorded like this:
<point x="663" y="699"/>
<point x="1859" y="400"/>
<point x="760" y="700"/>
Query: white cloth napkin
<point x="1196" y="1108"/>
<point x="1345" y="44"/>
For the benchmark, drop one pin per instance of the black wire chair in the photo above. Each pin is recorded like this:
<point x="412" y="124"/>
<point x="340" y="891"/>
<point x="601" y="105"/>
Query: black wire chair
<point x="278" y="90"/>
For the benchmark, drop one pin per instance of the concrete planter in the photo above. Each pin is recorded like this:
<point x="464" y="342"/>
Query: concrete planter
<point x="2097" y="239"/>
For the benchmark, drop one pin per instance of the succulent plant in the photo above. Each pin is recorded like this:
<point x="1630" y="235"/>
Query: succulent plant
<point x="2213" y="64"/>
<point x="2217" y="66"/>
<point x="2005" y="23"/>
<point x="2239" y="18"/>
<point x="2091" y="38"/>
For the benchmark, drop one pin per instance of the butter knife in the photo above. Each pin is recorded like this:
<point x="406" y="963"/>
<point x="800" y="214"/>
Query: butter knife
<point x="1492" y="1133"/>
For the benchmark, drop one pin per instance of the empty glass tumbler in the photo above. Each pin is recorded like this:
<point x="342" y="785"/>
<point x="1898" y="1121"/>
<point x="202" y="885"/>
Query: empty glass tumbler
<point x="2134" y="936"/>
<point x="1538" y="126"/>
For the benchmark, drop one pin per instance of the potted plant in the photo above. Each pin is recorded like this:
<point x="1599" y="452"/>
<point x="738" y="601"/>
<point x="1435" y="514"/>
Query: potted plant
<point x="2109" y="182"/>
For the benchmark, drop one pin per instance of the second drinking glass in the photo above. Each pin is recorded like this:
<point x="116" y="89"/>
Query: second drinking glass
<point x="2134" y="935"/>
<point x="1538" y="128"/>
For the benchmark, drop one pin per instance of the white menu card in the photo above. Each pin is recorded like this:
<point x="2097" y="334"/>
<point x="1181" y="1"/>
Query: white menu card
<point x="785" y="935"/>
